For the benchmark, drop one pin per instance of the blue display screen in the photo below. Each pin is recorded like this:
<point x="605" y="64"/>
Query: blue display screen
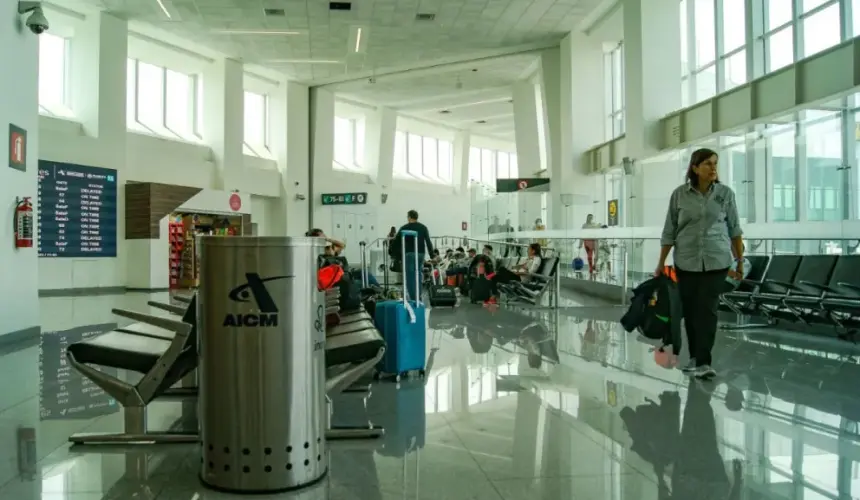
<point x="77" y="208"/>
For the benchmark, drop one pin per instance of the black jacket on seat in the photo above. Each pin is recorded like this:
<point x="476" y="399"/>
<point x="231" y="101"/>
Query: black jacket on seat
<point x="655" y="311"/>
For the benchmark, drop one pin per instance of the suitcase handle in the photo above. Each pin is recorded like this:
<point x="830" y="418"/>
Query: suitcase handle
<point x="406" y="303"/>
<point x="363" y="262"/>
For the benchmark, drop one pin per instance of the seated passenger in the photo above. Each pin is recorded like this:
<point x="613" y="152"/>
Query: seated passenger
<point x="523" y="271"/>
<point x="460" y="267"/>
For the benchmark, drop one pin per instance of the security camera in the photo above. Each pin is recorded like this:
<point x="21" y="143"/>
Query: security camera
<point x="37" y="22"/>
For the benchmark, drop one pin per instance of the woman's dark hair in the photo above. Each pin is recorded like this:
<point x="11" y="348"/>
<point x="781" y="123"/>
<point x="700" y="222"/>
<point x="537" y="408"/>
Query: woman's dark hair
<point x="460" y="249"/>
<point x="315" y="232"/>
<point x="488" y="247"/>
<point x="698" y="157"/>
<point x="535" y="248"/>
<point x="393" y="230"/>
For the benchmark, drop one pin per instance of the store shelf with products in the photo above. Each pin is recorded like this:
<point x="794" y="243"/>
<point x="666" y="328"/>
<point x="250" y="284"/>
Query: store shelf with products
<point x="177" y="243"/>
<point x="194" y="225"/>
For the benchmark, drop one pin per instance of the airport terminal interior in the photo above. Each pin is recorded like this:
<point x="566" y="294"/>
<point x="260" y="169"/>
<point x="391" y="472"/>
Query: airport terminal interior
<point x="163" y="334"/>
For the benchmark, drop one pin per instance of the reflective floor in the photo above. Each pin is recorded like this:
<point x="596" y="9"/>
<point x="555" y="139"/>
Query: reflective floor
<point x="516" y="406"/>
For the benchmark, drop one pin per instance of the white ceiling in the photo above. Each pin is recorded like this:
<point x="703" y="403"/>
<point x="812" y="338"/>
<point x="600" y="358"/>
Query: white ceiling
<point x="455" y="95"/>
<point x="409" y="59"/>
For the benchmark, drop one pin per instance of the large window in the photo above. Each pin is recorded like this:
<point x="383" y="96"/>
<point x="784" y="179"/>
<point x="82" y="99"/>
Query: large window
<point x="824" y="167"/>
<point x="423" y="158"/>
<point x="162" y="101"/>
<point x="613" y="70"/>
<point x="487" y="165"/>
<point x="256" y="141"/>
<point x="53" y="75"/>
<point x="722" y="40"/>
<point x="348" y="143"/>
<point x="781" y="152"/>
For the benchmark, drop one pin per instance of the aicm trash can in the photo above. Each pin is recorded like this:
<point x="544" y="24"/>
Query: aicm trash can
<point x="263" y="411"/>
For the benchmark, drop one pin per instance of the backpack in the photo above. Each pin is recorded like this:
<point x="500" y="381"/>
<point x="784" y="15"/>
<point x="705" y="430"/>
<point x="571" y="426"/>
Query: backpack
<point x="656" y="312"/>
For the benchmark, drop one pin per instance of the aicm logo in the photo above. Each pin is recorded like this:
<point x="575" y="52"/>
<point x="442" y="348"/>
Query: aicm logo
<point x="267" y="311"/>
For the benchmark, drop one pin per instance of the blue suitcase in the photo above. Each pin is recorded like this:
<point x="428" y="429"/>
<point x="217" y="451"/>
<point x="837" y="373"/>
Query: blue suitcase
<point x="403" y="326"/>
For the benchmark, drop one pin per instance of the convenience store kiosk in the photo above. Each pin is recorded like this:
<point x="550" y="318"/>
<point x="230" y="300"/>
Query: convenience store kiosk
<point x="183" y="228"/>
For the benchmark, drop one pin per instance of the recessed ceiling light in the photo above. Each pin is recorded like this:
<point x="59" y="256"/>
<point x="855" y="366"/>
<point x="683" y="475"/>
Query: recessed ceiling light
<point x="301" y="61"/>
<point x="481" y="121"/>
<point x="340" y="5"/>
<point x="445" y="112"/>
<point x="474" y="70"/>
<point x="258" y="32"/>
<point x="275" y="12"/>
<point x="358" y="40"/>
<point x="164" y="9"/>
<point x="425" y="16"/>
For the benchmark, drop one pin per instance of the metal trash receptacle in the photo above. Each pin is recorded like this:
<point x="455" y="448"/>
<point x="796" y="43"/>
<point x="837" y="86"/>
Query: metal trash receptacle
<point x="261" y="323"/>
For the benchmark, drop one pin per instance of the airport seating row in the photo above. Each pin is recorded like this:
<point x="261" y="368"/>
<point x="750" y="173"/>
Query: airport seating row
<point x="807" y="289"/>
<point x="530" y="291"/>
<point x="164" y="351"/>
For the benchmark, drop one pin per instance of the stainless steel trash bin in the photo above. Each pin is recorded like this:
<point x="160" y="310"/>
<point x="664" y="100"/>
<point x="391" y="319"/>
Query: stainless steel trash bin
<point x="261" y="323"/>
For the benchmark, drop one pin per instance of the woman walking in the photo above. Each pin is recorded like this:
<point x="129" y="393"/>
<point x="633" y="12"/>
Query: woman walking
<point x="703" y="228"/>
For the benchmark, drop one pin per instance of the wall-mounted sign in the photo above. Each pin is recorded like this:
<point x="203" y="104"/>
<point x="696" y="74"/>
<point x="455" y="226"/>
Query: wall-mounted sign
<point x="534" y="185"/>
<point x="612" y="212"/>
<point x="17" y="148"/>
<point x="235" y="202"/>
<point x="464" y="225"/>
<point x="77" y="210"/>
<point x="344" y="198"/>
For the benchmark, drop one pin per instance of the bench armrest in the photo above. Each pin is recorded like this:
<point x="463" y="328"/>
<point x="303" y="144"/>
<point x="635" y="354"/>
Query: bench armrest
<point x="851" y="286"/>
<point x="785" y="284"/>
<point x="820" y="288"/>
<point x="746" y="281"/>
<point x="541" y="277"/>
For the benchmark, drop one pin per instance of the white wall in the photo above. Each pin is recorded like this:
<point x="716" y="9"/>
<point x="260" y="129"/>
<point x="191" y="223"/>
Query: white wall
<point x="19" y="305"/>
<point x="148" y="159"/>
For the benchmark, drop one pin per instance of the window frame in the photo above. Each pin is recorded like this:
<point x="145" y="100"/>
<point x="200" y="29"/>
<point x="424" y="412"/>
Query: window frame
<point x="613" y="70"/>
<point x="357" y="164"/>
<point x="162" y="129"/>
<point x="64" y="109"/>
<point x="424" y="173"/>
<point x="264" y="149"/>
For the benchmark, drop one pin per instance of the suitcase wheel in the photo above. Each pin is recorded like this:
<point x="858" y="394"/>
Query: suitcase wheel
<point x="398" y="377"/>
<point x="421" y="373"/>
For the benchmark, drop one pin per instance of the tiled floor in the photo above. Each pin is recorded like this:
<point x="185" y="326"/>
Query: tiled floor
<point x="515" y="407"/>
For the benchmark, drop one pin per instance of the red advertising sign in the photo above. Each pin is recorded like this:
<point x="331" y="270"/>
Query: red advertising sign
<point x="235" y="202"/>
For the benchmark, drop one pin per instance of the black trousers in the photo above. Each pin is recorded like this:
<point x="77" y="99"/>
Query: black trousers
<point x="700" y="296"/>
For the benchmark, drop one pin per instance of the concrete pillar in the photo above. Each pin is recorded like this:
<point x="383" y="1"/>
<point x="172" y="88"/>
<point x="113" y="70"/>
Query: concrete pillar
<point x="100" y="58"/>
<point x="462" y="144"/>
<point x="381" y="125"/>
<point x="19" y="106"/>
<point x="321" y="143"/>
<point x="526" y="126"/>
<point x="580" y="79"/>
<point x="224" y="119"/>
<point x="652" y="65"/>
<point x="290" y="107"/>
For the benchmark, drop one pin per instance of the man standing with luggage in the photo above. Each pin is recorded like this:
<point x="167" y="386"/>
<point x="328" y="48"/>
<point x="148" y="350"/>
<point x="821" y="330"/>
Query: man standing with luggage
<point x="413" y="259"/>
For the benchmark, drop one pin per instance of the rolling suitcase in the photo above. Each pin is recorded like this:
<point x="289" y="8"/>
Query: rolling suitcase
<point x="403" y="325"/>
<point x="439" y="293"/>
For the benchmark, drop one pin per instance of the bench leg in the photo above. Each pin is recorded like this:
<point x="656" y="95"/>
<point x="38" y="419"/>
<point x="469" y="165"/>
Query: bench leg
<point x="743" y="325"/>
<point x="134" y="418"/>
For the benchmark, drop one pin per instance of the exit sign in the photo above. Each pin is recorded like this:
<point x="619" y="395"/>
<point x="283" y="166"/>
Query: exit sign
<point x="344" y="199"/>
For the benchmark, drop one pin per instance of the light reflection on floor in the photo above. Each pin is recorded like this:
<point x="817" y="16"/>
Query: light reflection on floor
<point x="517" y="405"/>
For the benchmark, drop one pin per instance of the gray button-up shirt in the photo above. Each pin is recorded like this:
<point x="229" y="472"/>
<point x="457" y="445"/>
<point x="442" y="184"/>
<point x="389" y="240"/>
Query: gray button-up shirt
<point x="700" y="227"/>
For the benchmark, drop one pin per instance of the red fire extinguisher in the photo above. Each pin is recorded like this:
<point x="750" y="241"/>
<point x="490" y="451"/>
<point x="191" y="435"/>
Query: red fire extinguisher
<point x="23" y="223"/>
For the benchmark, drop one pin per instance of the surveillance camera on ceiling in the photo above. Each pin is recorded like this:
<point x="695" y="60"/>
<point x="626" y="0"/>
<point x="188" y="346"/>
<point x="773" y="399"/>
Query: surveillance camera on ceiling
<point x="37" y="22"/>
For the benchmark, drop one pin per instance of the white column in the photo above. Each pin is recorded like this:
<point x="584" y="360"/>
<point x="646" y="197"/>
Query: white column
<point x="321" y="142"/>
<point x="379" y="130"/>
<point x="19" y="49"/>
<point x="580" y="79"/>
<point x="224" y="119"/>
<point x="462" y="144"/>
<point x="100" y="55"/>
<point x="652" y="69"/>
<point x="526" y="126"/>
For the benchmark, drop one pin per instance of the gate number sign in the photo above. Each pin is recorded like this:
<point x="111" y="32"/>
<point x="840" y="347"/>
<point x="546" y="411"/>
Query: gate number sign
<point x="344" y="199"/>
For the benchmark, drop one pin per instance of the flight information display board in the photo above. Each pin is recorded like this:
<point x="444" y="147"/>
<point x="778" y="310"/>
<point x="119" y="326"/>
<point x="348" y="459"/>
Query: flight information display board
<point x="63" y="392"/>
<point x="77" y="210"/>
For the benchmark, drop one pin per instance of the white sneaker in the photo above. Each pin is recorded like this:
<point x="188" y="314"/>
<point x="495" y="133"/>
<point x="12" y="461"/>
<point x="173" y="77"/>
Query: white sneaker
<point x="705" y="372"/>
<point x="690" y="366"/>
